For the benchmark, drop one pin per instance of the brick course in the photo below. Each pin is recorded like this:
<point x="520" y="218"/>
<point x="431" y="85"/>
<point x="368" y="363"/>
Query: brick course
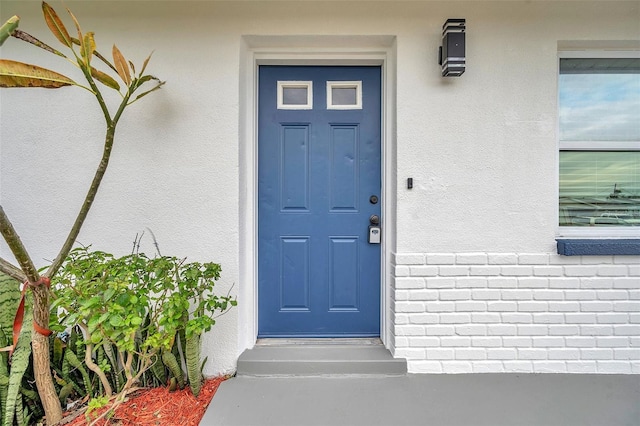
<point x="516" y="312"/>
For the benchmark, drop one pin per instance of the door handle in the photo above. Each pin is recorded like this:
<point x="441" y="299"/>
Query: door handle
<point x="375" y="233"/>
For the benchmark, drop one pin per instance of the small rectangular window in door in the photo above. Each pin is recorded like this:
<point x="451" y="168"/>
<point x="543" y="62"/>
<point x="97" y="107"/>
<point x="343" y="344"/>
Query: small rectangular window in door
<point x="344" y="95"/>
<point x="295" y="95"/>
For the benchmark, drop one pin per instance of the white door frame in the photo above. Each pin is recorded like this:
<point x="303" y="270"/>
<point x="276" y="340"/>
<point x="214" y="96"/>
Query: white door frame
<point x="308" y="50"/>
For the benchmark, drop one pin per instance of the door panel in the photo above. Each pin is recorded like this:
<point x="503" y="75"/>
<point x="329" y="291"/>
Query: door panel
<point x="317" y="169"/>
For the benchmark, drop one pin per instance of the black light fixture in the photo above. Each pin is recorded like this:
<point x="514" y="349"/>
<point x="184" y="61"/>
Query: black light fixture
<point x="452" y="52"/>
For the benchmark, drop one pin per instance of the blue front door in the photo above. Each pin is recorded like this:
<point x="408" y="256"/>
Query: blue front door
<point x="319" y="143"/>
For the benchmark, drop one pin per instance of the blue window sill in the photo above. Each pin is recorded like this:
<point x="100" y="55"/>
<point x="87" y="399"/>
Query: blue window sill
<point x="598" y="247"/>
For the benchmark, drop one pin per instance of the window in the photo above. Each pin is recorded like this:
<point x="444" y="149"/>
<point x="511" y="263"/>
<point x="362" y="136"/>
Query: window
<point x="344" y="95"/>
<point x="599" y="128"/>
<point x="295" y="95"/>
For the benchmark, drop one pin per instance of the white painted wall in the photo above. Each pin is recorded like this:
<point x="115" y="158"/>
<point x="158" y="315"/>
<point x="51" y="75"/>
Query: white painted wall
<point x="481" y="149"/>
<point x="517" y="312"/>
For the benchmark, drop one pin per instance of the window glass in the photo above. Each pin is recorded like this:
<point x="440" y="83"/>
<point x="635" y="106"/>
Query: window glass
<point x="344" y="95"/>
<point x="599" y="188"/>
<point x="598" y="103"/>
<point x="599" y="128"/>
<point x="294" y="95"/>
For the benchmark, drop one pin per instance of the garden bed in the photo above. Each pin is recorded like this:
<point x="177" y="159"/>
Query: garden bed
<point x="158" y="406"/>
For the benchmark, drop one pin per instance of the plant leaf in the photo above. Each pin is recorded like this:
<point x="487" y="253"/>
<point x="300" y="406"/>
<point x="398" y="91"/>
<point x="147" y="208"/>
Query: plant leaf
<point x="88" y="47"/>
<point x="18" y="74"/>
<point x="19" y="365"/>
<point x="146" y="62"/>
<point x="133" y="68"/>
<point x="8" y="28"/>
<point x="77" y="24"/>
<point x="146" y="78"/>
<point x="31" y="39"/>
<point x="121" y="65"/>
<point x="160" y="84"/>
<point x="9" y="300"/>
<point x="106" y="62"/>
<point x="104" y="79"/>
<point x="55" y="25"/>
<point x="192" y="356"/>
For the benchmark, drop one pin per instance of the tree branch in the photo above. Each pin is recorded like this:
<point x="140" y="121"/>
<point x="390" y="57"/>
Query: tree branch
<point x="93" y="366"/>
<point x="84" y="209"/>
<point x="93" y="189"/>
<point x="13" y="271"/>
<point x="17" y="248"/>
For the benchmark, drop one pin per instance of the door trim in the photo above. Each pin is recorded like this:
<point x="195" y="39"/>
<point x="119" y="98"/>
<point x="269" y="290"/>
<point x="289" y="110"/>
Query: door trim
<point x="308" y="50"/>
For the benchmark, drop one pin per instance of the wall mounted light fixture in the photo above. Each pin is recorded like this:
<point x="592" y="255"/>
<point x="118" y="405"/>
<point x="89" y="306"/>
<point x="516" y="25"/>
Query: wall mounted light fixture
<point x="452" y="51"/>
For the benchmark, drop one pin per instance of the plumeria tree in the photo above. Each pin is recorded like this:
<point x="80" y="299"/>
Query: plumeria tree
<point x="117" y="74"/>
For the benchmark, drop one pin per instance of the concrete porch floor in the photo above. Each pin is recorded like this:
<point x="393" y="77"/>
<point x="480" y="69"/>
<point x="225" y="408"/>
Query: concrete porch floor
<point x="468" y="399"/>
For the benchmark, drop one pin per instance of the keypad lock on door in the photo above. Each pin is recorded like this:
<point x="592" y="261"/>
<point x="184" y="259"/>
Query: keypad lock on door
<point x="375" y="232"/>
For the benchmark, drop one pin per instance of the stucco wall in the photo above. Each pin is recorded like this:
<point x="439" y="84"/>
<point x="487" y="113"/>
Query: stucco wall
<point x="481" y="149"/>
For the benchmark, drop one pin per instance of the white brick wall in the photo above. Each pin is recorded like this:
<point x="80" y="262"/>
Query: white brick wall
<point x="516" y="312"/>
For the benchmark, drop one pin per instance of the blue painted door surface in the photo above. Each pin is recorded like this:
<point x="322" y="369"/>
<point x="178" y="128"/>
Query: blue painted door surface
<point x="318" y="276"/>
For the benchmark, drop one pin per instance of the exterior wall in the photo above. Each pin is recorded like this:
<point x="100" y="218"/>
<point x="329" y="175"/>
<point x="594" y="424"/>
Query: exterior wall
<point x="480" y="222"/>
<point x="517" y="312"/>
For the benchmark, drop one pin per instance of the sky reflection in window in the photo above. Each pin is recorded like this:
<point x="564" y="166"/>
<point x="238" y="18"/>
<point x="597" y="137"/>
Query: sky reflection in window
<point x="600" y="107"/>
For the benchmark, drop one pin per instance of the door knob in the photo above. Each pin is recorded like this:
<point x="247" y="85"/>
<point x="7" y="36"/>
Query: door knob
<point x="374" y="219"/>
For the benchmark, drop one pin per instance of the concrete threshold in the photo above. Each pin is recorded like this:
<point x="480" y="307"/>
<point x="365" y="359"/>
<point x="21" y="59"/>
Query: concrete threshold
<point x="319" y="357"/>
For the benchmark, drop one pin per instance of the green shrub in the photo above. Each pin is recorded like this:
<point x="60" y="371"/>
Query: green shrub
<point x="135" y="309"/>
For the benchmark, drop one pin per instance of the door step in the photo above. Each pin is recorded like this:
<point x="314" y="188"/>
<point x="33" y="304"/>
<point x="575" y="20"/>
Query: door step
<point x="319" y="357"/>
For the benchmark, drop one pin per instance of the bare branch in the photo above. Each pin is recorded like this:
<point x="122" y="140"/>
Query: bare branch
<point x="95" y="184"/>
<point x="17" y="248"/>
<point x="155" y="242"/>
<point x="93" y="366"/>
<point x="12" y="271"/>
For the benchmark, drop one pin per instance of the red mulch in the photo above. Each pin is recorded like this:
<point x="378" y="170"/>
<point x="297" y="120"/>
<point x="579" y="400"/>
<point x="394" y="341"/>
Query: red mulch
<point x="158" y="406"/>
